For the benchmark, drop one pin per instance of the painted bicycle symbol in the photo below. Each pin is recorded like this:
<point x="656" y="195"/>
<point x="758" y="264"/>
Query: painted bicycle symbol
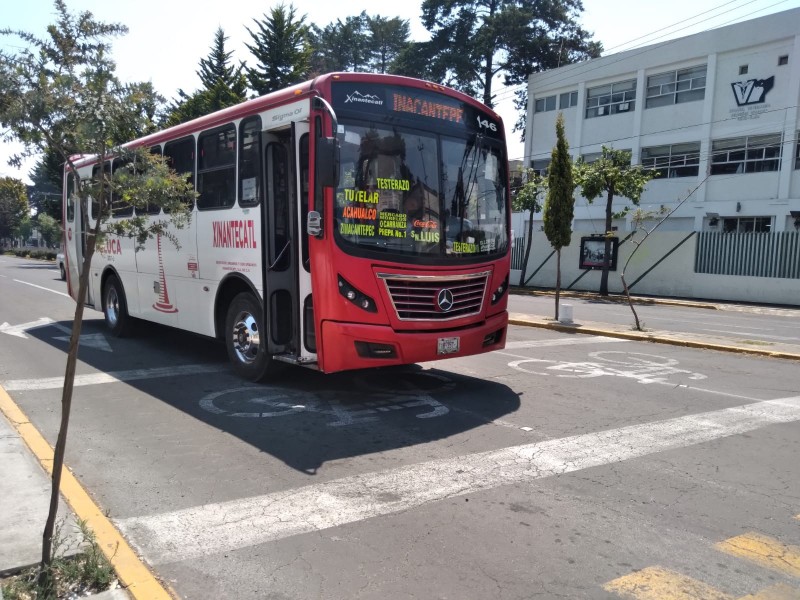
<point x="375" y="396"/>
<point x="644" y="368"/>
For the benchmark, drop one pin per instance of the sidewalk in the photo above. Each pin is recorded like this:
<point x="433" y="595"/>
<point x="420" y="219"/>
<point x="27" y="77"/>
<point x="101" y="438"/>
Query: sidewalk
<point x="24" y="502"/>
<point x="722" y="343"/>
<point x="25" y="486"/>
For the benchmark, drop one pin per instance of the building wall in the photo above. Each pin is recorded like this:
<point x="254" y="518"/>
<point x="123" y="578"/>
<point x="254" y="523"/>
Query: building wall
<point x="755" y="45"/>
<point x="672" y="254"/>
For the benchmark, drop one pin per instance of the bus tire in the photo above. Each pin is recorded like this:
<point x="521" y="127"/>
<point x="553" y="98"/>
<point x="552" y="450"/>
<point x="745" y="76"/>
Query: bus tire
<point x="115" y="308"/>
<point x="246" y="338"/>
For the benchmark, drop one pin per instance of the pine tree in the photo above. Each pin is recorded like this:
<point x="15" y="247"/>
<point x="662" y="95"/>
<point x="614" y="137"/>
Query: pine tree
<point x="282" y="50"/>
<point x="224" y="84"/>
<point x="559" y="205"/>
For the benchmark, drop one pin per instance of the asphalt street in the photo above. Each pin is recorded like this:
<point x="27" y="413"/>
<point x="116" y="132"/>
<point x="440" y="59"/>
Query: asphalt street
<point x="566" y="465"/>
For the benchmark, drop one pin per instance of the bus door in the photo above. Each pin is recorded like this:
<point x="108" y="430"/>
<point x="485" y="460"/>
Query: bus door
<point x="280" y="285"/>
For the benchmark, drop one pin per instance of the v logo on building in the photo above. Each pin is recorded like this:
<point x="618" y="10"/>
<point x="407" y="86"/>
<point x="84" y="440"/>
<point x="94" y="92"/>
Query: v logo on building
<point x="752" y="91"/>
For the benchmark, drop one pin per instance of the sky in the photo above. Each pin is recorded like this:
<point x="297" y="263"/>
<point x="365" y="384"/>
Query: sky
<point x="167" y="38"/>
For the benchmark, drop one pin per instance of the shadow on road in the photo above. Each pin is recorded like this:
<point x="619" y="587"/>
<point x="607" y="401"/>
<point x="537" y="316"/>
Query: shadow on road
<point x="302" y="417"/>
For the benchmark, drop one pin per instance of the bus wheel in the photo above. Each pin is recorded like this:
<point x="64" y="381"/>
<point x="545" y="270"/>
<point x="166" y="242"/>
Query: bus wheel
<point x="245" y="338"/>
<point x="115" y="308"/>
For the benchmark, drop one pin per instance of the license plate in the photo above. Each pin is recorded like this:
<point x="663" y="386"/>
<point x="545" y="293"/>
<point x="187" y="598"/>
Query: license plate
<point x="449" y="345"/>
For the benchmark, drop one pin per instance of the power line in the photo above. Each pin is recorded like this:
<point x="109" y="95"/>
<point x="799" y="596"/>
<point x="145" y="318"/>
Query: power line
<point x="566" y="72"/>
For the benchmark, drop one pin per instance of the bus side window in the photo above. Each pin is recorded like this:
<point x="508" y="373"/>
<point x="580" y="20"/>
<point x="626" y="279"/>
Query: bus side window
<point x="216" y="168"/>
<point x="250" y="179"/>
<point x="180" y="156"/>
<point x="120" y="209"/>
<point x="95" y="207"/>
<point x="70" y="191"/>
<point x="151" y="209"/>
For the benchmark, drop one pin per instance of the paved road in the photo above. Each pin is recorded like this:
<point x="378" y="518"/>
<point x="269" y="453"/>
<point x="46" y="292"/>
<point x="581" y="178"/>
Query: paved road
<point x="739" y="322"/>
<point x="564" y="466"/>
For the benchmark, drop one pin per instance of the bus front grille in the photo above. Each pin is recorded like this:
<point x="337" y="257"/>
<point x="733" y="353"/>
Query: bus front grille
<point x="436" y="298"/>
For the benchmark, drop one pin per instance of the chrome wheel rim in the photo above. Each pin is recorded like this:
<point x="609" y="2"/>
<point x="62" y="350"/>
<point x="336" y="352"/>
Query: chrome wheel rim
<point x="112" y="306"/>
<point x="246" y="338"/>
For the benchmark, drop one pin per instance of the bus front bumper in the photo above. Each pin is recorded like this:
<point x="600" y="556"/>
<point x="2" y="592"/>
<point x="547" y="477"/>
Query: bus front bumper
<point x="358" y="346"/>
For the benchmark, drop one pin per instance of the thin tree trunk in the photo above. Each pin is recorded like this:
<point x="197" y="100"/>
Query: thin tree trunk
<point x="44" y="580"/>
<point x="630" y="302"/>
<point x="558" y="279"/>
<point x="528" y="244"/>
<point x="607" y="246"/>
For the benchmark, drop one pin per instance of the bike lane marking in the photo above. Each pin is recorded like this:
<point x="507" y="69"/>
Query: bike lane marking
<point x="212" y="528"/>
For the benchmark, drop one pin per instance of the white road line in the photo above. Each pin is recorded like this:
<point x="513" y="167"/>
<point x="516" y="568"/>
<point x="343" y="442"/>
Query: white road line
<point x="206" y="530"/>
<point x="599" y="339"/>
<point x="42" y="288"/>
<point x="53" y="383"/>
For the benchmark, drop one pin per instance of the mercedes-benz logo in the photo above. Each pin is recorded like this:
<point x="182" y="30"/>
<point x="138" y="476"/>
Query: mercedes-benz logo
<point x="445" y="300"/>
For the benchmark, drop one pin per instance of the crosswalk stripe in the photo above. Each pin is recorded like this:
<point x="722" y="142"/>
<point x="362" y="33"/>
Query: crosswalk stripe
<point x="594" y="339"/>
<point x="765" y="551"/>
<point x="54" y="383"/>
<point x="212" y="528"/>
<point x="657" y="583"/>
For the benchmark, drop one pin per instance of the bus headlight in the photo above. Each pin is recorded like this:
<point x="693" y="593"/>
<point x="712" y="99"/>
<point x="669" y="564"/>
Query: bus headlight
<point x="500" y="291"/>
<point x="360" y="299"/>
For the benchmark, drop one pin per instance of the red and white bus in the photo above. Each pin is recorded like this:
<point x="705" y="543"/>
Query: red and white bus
<point x="355" y="220"/>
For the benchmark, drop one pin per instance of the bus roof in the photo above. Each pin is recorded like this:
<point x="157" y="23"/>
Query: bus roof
<point x="314" y="87"/>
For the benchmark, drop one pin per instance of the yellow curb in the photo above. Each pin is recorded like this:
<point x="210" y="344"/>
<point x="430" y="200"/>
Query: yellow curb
<point x="648" y="337"/>
<point x="132" y="572"/>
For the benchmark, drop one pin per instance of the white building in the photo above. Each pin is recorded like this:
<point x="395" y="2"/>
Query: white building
<point x="716" y="113"/>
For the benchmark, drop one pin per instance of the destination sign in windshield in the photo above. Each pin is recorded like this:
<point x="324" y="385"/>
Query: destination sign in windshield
<point x="411" y="103"/>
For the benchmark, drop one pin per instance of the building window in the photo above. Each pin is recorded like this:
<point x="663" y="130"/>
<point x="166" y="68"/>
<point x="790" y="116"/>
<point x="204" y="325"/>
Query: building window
<point x="545" y="104"/>
<point x="797" y="152"/>
<point x="592" y="157"/>
<point x="675" y="87"/>
<point x="751" y="154"/>
<point x="611" y="99"/>
<point x="541" y="166"/>
<point x="746" y="224"/>
<point x="677" y="160"/>
<point x="743" y="70"/>
<point x="783" y="60"/>
<point x="567" y="100"/>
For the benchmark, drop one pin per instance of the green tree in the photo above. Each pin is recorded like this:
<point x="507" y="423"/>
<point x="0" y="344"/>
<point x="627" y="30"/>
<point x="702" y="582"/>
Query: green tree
<point x="341" y="46"/>
<point x="612" y="175"/>
<point x="476" y="40"/>
<point x="387" y="39"/>
<point x="49" y="229"/>
<point x="45" y="193"/>
<point x="60" y="93"/>
<point x="281" y="48"/>
<point x="223" y="85"/>
<point x="559" y="206"/>
<point x="13" y="206"/>
<point x="527" y="197"/>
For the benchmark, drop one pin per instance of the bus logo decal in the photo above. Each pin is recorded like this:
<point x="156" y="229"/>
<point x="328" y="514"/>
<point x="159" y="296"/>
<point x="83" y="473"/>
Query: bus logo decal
<point x="445" y="300"/>
<point x="364" y="98"/>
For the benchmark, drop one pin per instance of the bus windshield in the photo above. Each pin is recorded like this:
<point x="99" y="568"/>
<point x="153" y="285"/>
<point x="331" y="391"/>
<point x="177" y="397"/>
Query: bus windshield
<point x="414" y="193"/>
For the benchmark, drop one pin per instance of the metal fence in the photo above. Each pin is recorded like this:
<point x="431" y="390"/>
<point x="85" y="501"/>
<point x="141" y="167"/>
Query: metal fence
<point x="517" y="252"/>
<point x="772" y="254"/>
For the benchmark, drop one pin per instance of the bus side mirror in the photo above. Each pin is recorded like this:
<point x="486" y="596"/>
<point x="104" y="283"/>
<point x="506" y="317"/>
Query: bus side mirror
<point x="327" y="162"/>
<point x="314" y="224"/>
